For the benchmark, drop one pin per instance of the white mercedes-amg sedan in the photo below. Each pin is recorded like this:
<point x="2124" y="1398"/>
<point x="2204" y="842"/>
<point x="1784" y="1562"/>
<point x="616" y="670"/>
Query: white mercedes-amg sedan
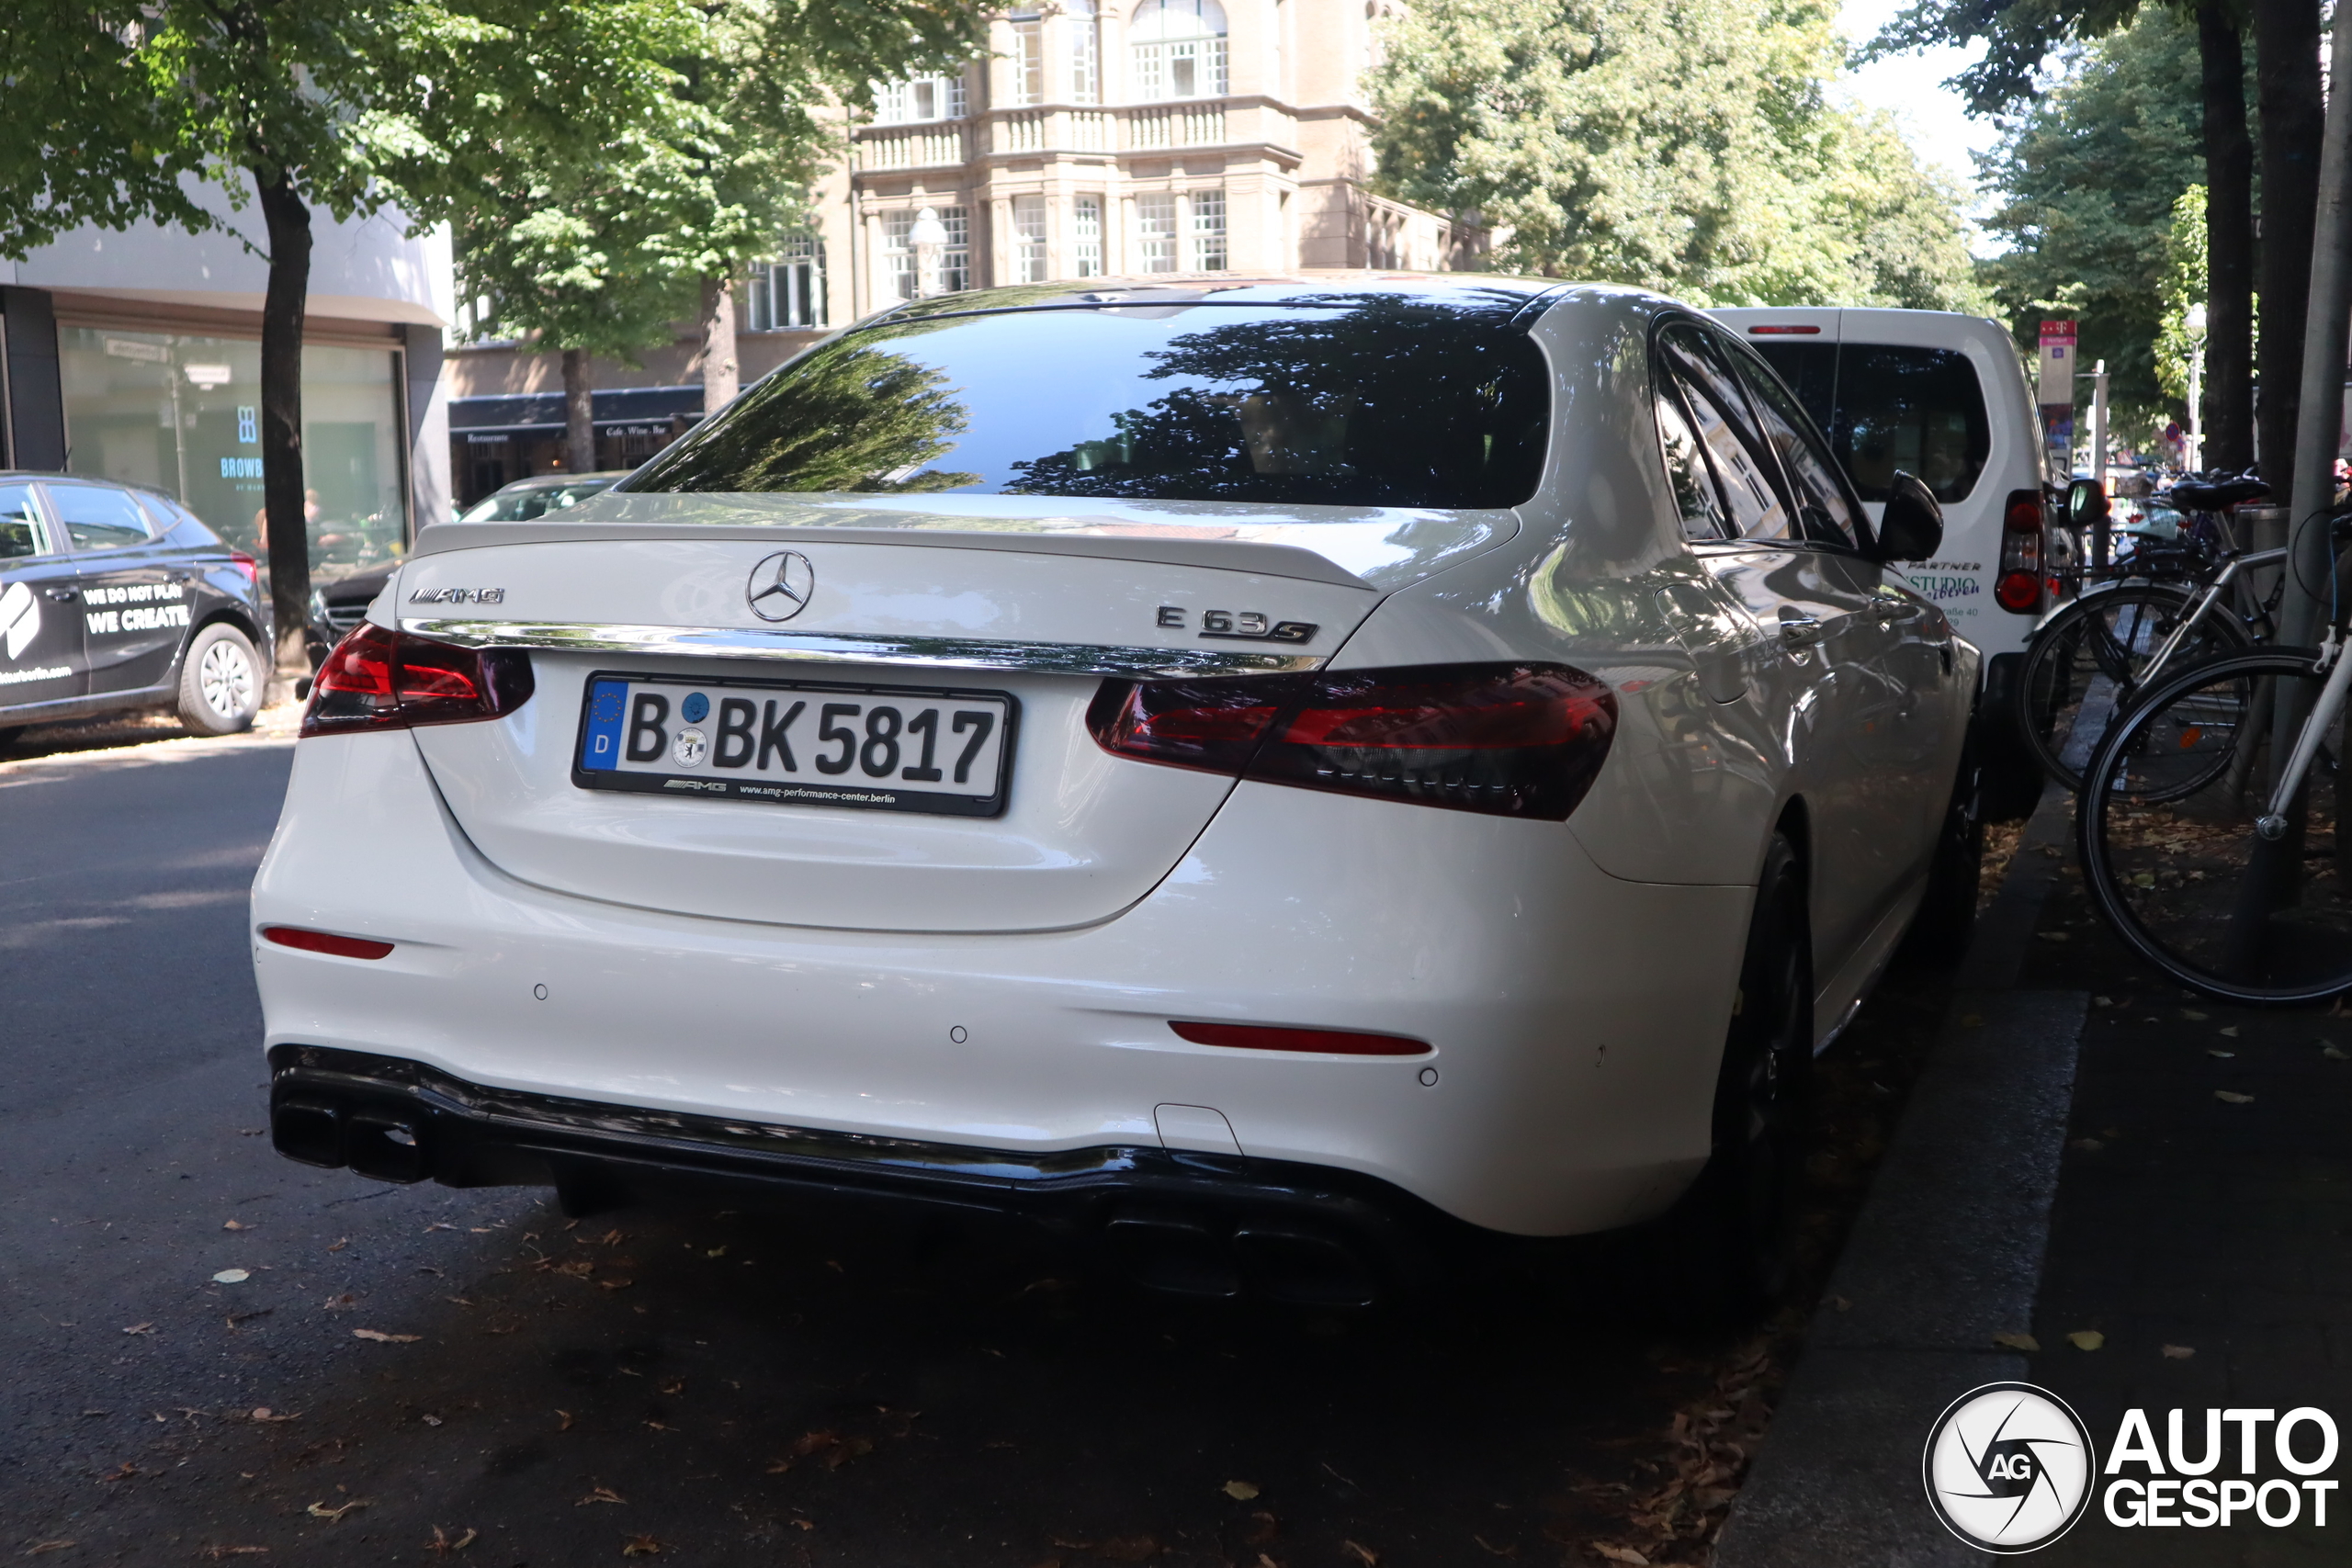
<point x="1282" y="775"/>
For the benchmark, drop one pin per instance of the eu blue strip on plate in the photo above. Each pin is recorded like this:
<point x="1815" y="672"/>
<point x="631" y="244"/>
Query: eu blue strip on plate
<point x="600" y="746"/>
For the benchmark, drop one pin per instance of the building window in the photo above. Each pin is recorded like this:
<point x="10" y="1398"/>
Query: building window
<point x="1208" y="230"/>
<point x="905" y="265"/>
<point x="1029" y="239"/>
<point x="1087" y="236"/>
<point x="790" y="290"/>
<point x="1180" y="49"/>
<point x="1028" y="58"/>
<point x="1085" y="52"/>
<point x="1156" y="230"/>
<point x="925" y="97"/>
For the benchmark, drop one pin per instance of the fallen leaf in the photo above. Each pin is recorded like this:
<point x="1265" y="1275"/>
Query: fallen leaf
<point x="2179" y="1352"/>
<point x="1128" y="1549"/>
<point x="2087" y="1339"/>
<point x="1621" y="1555"/>
<point x="265" y="1414"/>
<point x="718" y="1251"/>
<point x="1840" y="1303"/>
<point x="235" y="1226"/>
<point x="126" y="1471"/>
<point x="1363" y="1554"/>
<point x="2225" y="1056"/>
<point x="2333" y="1054"/>
<point x="382" y="1338"/>
<point x="1263" y="1528"/>
<point x="437" y="1225"/>
<point x="431" y="1420"/>
<point x="141" y="1328"/>
<point x="223" y="1553"/>
<point x="2102" y="1001"/>
<point x="1240" y="1491"/>
<point x="2017" y="1342"/>
<point x="339" y="1246"/>
<point x="441" y="1545"/>
<point x="47" y="1546"/>
<point x="617" y="1284"/>
<point x="321" y="1511"/>
<point x="2228" y="1097"/>
<point x="567" y="1421"/>
<point x="2089" y="1146"/>
<point x="230" y="1277"/>
<point x="2193" y="1015"/>
<point x="2231" y="1031"/>
<point x="803" y="1525"/>
<point x="1490" y="1547"/>
<point x="601" y="1494"/>
<point x="640" y="1546"/>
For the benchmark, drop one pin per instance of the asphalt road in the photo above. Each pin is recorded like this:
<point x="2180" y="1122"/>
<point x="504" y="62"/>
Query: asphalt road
<point x="409" y="1373"/>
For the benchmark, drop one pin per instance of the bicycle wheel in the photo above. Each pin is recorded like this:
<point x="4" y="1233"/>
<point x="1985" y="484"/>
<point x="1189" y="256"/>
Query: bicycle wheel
<point x="2083" y="666"/>
<point x="2165" y="827"/>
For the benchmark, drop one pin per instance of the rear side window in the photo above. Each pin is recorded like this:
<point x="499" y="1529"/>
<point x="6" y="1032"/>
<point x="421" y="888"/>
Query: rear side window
<point x="1695" y="496"/>
<point x="98" y="519"/>
<point x="1743" y="466"/>
<point x="1888" y="408"/>
<point x="1372" y="400"/>
<point x="1824" y="515"/>
<point x="19" y="529"/>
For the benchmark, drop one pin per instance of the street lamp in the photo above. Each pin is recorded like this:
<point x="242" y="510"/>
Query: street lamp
<point x="929" y="237"/>
<point x="2192" y="322"/>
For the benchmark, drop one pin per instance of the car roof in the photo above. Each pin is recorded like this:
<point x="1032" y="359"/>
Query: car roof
<point x="53" y="476"/>
<point x="1310" y="286"/>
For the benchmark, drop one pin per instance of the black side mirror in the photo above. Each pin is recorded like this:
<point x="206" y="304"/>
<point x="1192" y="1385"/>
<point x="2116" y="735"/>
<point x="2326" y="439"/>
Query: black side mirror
<point x="1912" y="527"/>
<point x="2086" y="502"/>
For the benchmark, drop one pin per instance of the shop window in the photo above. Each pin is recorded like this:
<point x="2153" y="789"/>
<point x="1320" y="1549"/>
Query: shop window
<point x="180" y="413"/>
<point x="1208" y="230"/>
<point x="1179" y="49"/>
<point x="1086" y="237"/>
<point x="788" y="292"/>
<point x="1029" y="238"/>
<point x="1156" y="230"/>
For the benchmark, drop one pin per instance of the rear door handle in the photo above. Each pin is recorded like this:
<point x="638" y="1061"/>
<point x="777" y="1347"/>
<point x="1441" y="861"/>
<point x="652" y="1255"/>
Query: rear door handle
<point x="63" y="594"/>
<point x="1798" y="629"/>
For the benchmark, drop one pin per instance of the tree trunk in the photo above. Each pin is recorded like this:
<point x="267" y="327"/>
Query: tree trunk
<point x="283" y="495"/>
<point x="2286" y="80"/>
<point x="2229" y="243"/>
<point x="579" y="414"/>
<point x="721" y="374"/>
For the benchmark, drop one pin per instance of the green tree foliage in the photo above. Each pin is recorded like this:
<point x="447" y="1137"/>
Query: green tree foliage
<point x="2091" y="174"/>
<point x="2184" y="285"/>
<point x="1685" y="145"/>
<point x="110" y="108"/>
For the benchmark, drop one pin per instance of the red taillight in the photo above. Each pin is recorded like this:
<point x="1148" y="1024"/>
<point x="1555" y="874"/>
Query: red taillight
<point x="325" y="941"/>
<point x="377" y="679"/>
<point x="246" y="564"/>
<point x="1509" y="739"/>
<point x="1319" y="1041"/>
<point x="1784" y="331"/>
<point x="2018" y="587"/>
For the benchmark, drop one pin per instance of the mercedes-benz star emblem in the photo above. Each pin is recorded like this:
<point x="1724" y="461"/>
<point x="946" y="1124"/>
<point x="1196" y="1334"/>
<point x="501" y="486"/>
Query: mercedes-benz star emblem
<point x="780" y="586"/>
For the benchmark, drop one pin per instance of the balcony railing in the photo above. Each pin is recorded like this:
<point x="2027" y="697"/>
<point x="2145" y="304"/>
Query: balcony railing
<point x="1176" y="125"/>
<point x="1148" y="127"/>
<point x="910" y="147"/>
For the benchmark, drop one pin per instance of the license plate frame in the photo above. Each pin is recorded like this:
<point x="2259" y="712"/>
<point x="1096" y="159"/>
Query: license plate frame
<point x="804" y="785"/>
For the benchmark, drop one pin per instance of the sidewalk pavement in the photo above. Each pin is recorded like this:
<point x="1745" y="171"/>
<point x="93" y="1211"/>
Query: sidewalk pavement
<point x="2065" y="1166"/>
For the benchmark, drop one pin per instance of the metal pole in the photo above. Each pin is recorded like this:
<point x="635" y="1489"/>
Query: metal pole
<point x="2099" y="421"/>
<point x="2196" y="398"/>
<point x="2319" y="424"/>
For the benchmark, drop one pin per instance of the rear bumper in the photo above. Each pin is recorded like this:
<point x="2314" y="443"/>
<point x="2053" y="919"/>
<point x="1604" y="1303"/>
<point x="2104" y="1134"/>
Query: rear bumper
<point x="1194" y="1223"/>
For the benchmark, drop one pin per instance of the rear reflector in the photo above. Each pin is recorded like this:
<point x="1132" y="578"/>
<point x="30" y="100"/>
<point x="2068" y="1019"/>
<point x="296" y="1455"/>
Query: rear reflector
<point x="377" y="679"/>
<point x="1784" y="331"/>
<point x="325" y="941"/>
<point x="1506" y="739"/>
<point x="1319" y="1041"/>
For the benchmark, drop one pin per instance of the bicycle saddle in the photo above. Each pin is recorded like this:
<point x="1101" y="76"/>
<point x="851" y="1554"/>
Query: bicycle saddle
<point x="2212" y="497"/>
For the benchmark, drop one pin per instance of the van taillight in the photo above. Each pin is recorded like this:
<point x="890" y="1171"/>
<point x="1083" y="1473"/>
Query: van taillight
<point x="377" y="679"/>
<point x="1509" y="739"/>
<point x="2019" y="586"/>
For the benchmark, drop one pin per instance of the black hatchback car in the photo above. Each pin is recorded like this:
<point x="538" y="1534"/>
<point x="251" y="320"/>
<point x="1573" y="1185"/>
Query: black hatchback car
<point x="113" y="597"/>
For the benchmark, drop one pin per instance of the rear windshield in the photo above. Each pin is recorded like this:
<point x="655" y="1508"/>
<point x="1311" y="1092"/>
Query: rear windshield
<point x="1916" y="410"/>
<point x="1381" y="401"/>
<point x="522" y="505"/>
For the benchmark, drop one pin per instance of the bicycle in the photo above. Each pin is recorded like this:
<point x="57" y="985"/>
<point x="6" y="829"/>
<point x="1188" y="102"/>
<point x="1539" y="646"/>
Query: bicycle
<point x="2220" y="856"/>
<point x="2091" y="658"/>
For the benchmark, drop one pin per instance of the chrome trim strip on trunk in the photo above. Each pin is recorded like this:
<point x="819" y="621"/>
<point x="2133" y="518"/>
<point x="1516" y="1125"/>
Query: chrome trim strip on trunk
<point x="827" y="647"/>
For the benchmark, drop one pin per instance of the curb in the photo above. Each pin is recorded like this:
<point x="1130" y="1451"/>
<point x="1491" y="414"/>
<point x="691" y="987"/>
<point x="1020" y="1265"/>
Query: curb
<point x="1947" y="1252"/>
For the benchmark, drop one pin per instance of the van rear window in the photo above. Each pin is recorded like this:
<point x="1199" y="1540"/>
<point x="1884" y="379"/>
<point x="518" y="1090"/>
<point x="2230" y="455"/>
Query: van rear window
<point x="1887" y="407"/>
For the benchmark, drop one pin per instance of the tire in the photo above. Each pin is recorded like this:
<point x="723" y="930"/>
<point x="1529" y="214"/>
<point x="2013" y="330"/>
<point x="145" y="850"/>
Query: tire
<point x="1729" y="1245"/>
<point x="1946" y="915"/>
<point x="8" y="733"/>
<point x="2083" y="667"/>
<point x="221" y="682"/>
<point x="2179" y="853"/>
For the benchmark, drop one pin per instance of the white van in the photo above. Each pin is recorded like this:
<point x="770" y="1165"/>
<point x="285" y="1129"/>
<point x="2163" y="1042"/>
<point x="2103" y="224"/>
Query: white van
<point x="1944" y="397"/>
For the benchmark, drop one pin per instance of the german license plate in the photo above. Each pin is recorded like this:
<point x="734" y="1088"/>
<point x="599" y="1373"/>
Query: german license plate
<point x="798" y="743"/>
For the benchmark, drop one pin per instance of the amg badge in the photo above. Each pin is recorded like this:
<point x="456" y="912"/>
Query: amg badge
<point x="1239" y="626"/>
<point x="459" y="596"/>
